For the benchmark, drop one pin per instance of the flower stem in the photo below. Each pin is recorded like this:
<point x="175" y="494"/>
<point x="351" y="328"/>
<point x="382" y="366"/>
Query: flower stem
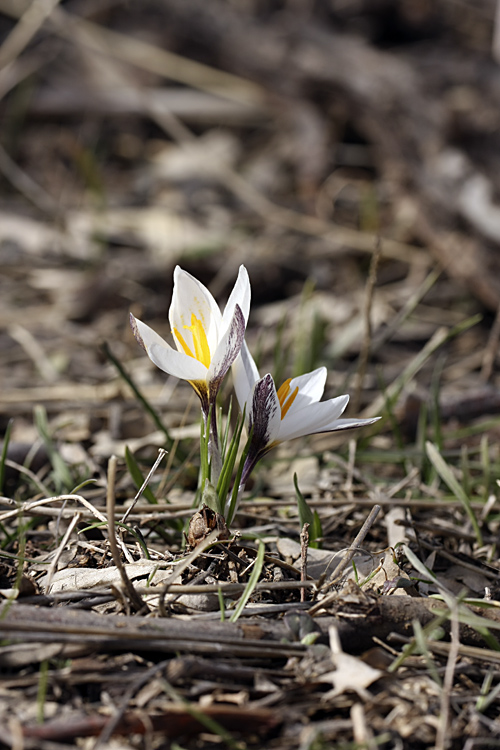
<point x="213" y="448"/>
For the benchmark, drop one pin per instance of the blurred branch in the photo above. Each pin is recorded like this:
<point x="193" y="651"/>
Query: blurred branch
<point x="23" y="32"/>
<point x="28" y="187"/>
<point x="146" y="56"/>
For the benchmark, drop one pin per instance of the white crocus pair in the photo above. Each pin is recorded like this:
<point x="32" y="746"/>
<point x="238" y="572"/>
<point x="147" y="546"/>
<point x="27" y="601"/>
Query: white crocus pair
<point x="209" y="342"/>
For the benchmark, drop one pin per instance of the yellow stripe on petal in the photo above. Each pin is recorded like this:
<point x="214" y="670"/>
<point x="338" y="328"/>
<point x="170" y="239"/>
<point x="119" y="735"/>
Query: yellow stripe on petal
<point x="284" y="397"/>
<point x="283" y="391"/>
<point x="200" y="341"/>
<point x="180" y="339"/>
<point x="289" y="401"/>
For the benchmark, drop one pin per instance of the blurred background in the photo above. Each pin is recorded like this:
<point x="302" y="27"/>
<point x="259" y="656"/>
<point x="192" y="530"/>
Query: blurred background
<point x="346" y="152"/>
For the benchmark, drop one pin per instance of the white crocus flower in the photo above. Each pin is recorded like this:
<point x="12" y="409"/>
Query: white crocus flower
<point x="207" y="341"/>
<point x="291" y="411"/>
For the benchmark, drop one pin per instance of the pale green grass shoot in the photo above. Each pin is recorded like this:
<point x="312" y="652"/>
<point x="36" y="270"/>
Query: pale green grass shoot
<point x="137" y="477"/>
<point x="61" y="474"/>
<point x="229" y="461"/>
<point x="449" y="478"/>
<point x="422" y="648"/>
<point x="310" y="340"/>
<point x="306" y="515"/>
<point x="487" y="696"/>
<point x="235" y="494"/>
<point x="252" y="582"/>
<point x="435" y="411"/>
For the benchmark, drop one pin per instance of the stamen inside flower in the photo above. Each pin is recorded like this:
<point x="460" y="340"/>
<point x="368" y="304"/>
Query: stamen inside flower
<point x="286" y="398"/>
<point x="200" y="342"/>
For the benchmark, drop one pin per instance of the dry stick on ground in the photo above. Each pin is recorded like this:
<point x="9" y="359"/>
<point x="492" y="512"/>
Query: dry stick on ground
<point x="304" y="543"/>
<point x="181" y="567"/>
<point x="363" y="736"/>
<point x="442" y="648"/>
<point x="110" y="727"/>
<point x="346" y="559"/>
<point x="134" y="597"/>
<point x="178" y="510"/>
<point x="225" y="587"/>
<point x="365" y="616"/>
<point x="35" y="507"/>
<point x="161" y="453"/>
<point x="59" y="551"/>
<point x="444" y="726"/>
<point x="490" y="573"/>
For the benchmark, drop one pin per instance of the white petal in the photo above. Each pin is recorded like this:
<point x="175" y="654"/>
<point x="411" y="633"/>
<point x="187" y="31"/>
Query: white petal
<point x="145" y="335"/>
<point x="264" y="413"/>
<point x="227" y="350"/>
<point x="176" y="363"/>
<point x="245" y="375"/>
<point x="348" y="424"/>
<point x="164" y="356"/>
<point x="190" y="296"/>
<point x="240" y="295"/>
<point x="311" y="387"/>
<point x="320" y="417"/>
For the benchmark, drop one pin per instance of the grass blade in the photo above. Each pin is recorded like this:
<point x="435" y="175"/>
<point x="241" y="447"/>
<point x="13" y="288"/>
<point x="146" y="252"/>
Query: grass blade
<point x="453" y="484"/>
<point x="228" y="466"/>
<point x="252" y="582"/>
<point x="440" y="337"/>
<point x="306" y="515"/>
<point x="62" y="475"/>
<point x="138" y="394"/>
<point x="137" y="477"/>
<point x="235" y="495"/>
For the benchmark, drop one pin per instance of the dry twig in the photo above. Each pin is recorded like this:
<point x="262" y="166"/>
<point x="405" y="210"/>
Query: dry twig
<point x="134" y="597"/>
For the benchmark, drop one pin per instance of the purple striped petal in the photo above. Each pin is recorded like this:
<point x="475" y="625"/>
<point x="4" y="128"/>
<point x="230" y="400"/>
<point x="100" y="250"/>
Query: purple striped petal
<point x="227" y="350"/>
<point x="265" y="413"/>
